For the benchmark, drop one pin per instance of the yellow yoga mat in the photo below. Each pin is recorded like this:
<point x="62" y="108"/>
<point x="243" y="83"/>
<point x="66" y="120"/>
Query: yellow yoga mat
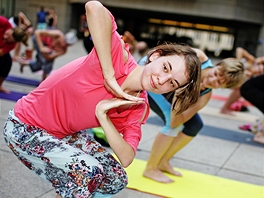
<point x="191" y="185"/>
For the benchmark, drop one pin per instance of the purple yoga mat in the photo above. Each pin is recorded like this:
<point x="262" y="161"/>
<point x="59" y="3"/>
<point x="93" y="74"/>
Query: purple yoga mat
<point x="20" y="80"/>
<point x="13" y="95"/>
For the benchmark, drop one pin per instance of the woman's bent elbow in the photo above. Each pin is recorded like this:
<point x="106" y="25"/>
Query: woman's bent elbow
<point x="92" y="5"/>
<point x="126" y="161"/>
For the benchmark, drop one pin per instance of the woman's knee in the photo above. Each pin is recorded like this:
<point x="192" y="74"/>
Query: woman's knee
<point x="193" y="128"/>
<point x="115" y="176"/>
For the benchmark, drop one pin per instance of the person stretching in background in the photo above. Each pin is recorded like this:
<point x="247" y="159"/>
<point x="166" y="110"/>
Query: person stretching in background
<point x="87" y="39"/>
<point x="180" y="129"/>
<point x="41" y="15"/>
<point x="253" y="91"/>
<point x="52" y="19"/>
<point x="49" y="45"/>
<point x="9" y="37"/>
<point x="22" y="21"/>
<point x="234" y="98"/>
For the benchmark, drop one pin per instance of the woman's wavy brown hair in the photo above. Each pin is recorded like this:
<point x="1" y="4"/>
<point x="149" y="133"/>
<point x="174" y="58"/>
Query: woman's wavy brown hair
<point x="20" y="35"/>
<point x="188" y="94"/>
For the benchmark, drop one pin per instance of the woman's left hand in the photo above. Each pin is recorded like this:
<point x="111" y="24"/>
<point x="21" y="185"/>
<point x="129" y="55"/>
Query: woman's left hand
<point x="121" y="148"/>
<point x="105" y="105"/>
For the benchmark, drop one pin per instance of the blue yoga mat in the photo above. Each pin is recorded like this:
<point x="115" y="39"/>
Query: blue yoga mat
<point x="25" y="81"/>
<point x="245" y="138"/>
<point x="13" y="95"/>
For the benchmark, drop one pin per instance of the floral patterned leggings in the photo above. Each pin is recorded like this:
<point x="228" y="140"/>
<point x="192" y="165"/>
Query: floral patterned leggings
<point x="76" y="166"/>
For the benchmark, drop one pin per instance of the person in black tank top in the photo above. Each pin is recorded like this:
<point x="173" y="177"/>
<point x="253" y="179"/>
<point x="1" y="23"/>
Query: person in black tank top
<point x="52" y="19"/>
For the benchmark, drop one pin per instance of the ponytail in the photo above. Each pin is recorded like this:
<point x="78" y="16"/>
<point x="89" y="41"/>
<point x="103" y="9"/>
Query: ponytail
<point x="20" y="35"/>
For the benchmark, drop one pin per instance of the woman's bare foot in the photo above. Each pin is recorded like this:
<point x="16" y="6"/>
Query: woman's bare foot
<point x="16" y="58"/>
<point x="259" y="138"/>
<point x="157" y="175"/>
<point x="169" y="169"/>
<point x="21" y="68"/>
<point x="23" y="63"/>
<point x="4" y="90"/>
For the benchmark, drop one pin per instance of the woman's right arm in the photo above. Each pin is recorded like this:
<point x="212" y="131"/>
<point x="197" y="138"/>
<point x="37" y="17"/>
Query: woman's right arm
<point x="201" y="55"/>
<point x="100" y="27"/>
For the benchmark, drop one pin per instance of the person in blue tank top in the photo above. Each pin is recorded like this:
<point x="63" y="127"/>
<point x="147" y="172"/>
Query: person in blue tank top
<point x="180" y="129"/>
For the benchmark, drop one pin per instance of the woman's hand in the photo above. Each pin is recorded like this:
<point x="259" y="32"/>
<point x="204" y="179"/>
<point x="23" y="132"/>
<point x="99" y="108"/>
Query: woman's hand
<point x="100" y="26"/>
<point x="105" y="105"/>
<point x="45" y="50"/>
<point x="112" y="86"/>
<point x="121" y="148"/>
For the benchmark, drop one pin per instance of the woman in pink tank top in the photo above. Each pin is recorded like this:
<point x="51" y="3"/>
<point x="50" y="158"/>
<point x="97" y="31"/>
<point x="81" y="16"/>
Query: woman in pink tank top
<point x="46" y="128"/>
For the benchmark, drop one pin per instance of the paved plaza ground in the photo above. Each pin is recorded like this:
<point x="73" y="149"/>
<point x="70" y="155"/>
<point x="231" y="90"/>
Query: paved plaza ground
<point x="220" y="149"/>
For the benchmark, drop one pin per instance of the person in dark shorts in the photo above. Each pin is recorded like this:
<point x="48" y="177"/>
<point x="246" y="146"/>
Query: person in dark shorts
<point x="8" y="39"/>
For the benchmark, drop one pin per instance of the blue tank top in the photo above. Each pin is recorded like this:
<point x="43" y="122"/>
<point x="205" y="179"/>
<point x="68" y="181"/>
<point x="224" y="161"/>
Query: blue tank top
<point x="205" y="65"/>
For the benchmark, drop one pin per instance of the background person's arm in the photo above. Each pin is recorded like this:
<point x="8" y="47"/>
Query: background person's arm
<point x="249" y="60"/>
<point x="242" y="53"/>
<point x="201" y="55"/>
<point x="259" y="66"/>
<point x="53" y="54"/>
<point x="48" y="33"/>
<point x="23" y="21"/>
<point x="47" y="53"/>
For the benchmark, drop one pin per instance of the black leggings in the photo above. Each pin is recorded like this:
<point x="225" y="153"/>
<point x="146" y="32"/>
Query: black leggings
<point x="5" y="65"/>
<point x="191" y="127"/>
<point x="253" y="91"/>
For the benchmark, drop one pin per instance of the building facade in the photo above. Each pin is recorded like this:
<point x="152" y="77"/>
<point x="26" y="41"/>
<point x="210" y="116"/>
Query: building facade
<point x="217" y="26"/>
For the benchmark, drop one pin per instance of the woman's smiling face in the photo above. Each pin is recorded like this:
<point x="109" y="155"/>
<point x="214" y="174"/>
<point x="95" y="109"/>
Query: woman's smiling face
<point x="164" y="73"/>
